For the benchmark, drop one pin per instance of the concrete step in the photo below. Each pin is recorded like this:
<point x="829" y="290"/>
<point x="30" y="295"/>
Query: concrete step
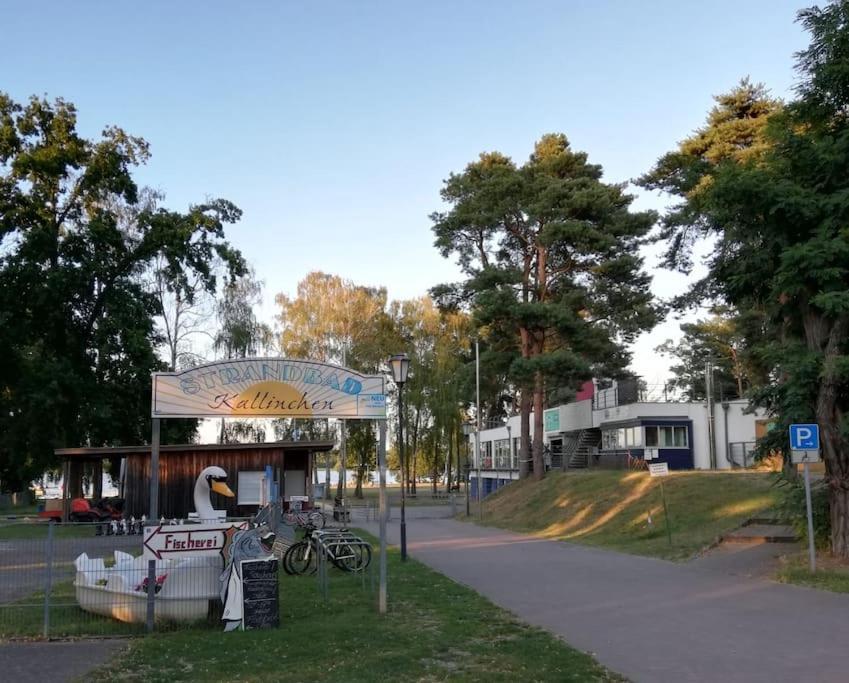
<point x="765" y="533"/>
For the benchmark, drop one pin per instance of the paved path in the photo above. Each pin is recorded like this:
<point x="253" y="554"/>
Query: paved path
<point x="54" y="662"/>
<point x="648" y="619"/>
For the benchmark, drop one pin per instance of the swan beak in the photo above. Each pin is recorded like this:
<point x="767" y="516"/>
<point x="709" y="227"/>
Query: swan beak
<point x="222" y="488"/>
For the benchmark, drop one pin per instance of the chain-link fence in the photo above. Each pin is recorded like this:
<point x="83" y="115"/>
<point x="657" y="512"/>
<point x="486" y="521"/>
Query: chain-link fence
<point x="61" y="580"/>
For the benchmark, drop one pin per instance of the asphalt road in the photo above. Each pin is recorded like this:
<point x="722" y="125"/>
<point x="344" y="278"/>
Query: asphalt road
<point x="648" y="619"/>
<point x="55" y="662"/>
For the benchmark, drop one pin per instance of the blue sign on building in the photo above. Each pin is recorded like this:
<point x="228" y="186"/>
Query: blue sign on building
<point x="804" y="437"/>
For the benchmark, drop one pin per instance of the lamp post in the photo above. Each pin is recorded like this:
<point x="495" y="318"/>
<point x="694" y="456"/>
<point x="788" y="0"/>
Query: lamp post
<point x="400" y="364"/>
<point x="468" y="430"/>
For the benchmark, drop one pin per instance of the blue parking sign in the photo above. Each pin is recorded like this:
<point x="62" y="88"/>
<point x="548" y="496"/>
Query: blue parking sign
<point x="804" y="437"/>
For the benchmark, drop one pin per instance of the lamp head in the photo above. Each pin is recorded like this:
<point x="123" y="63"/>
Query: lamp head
<point x="400" y="364"/>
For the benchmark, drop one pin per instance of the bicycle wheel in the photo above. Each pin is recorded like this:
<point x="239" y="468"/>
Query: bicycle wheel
<point x="316" y="519"/>
<point x="300" y="559"/>
<point x="352" y="558"/>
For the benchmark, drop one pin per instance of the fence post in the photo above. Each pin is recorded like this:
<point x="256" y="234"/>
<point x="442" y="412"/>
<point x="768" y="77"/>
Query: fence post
<point x="48" y="581"/>
<point x="151" y="593"/>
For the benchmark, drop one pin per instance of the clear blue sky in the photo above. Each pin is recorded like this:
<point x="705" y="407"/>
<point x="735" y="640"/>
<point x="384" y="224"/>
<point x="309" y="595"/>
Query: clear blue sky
<point x="332" y="124"/>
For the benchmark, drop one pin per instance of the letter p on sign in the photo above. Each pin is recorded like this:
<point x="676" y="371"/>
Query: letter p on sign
<point x="804" y="437"/>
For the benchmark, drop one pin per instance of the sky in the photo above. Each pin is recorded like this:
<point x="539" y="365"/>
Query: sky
<point x="332" y="125"/>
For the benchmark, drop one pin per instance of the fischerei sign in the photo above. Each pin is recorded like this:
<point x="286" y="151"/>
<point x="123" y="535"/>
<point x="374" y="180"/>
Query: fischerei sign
<point x="173" y="541"/>
<point x="268" y="387"/>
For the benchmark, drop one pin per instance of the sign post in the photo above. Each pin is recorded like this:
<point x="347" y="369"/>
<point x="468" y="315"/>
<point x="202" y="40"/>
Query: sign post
<point x="805" y="449"/>
<point x="661" y="469"/>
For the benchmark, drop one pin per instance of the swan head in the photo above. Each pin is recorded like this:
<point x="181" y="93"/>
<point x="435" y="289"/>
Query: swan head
<point x="215" y="479"/>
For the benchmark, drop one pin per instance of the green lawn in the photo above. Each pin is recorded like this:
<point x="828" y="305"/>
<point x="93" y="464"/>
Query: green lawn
<point x="611" y="508"/>
<point x="38" y="530"/>
<point x="435" y="630"/>
<point x="25" y="618"/>
<point x="831" y="575"/>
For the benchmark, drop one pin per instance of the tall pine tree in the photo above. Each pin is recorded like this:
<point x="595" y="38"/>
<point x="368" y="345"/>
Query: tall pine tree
<point x="550" y="254"/>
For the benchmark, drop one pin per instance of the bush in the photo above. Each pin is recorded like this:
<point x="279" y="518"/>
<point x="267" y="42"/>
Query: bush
<point x="792" y="508"/>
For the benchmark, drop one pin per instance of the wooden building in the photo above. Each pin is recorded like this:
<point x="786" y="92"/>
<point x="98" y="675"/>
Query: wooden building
<point x="292" y="465"/>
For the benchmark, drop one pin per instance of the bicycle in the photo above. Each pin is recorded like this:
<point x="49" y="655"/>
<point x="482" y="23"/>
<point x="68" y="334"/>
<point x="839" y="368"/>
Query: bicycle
<point x="344" y="550"/>
<point x="314" y="519"/>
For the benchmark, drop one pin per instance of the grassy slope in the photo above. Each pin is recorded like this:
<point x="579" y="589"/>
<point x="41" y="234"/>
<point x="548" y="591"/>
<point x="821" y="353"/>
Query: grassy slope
<point x="610" y="508"/>
<point x="435" y="630"/>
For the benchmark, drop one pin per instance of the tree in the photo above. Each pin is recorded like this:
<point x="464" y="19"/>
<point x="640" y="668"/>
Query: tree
<point x="437" y="343"/>
<point x="185" y="311"/>
<point x="721" y="341"/>
<point x="76" y="315"/>
<point x="241" y="335"/>
<point x="550" y="254"/>
<point x="337" y="321"/>
<point x="781" y="249"/>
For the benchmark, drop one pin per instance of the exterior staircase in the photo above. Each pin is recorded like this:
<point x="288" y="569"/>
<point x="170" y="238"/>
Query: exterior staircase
<point x="577" y="449"/>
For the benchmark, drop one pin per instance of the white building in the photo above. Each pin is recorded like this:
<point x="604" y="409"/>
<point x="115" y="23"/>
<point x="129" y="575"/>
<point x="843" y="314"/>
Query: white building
<point x="615" y="427"/>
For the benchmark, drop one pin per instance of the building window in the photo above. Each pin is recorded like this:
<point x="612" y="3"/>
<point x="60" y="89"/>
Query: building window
<point x="516" y="447"/>
<point x="486" y="455"/>
<point x="249" y="488"/>
<point x="624" y="437"/>
<point x="502" y="454"/>
<point x="667" y="436"/>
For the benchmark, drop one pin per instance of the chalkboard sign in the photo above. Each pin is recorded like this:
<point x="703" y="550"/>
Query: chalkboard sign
<point x="260" y="594"/>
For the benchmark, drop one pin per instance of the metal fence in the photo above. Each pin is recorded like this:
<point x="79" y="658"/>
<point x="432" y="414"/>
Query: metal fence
<point x="424" y="506"/>
<point x="63" y="580"/>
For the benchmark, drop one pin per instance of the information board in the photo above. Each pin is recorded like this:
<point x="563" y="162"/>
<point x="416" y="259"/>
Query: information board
<point x="260" y="594"/>
<point x="658" y="469"/>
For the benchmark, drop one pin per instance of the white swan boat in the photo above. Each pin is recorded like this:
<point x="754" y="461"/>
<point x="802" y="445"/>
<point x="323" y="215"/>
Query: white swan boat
<point x="183" y="587"/>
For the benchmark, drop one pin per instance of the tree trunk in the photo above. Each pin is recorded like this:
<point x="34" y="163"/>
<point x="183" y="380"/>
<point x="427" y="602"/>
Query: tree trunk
<point x="451" y="434"/>
<point x="830" y="416"/>
<point x="525" y="434"/>
<point x="539" y="461"/>
<point x="361" y="473"/>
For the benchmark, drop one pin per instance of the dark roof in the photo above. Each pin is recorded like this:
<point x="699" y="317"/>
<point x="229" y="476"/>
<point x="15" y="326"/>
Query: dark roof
<point x="110" y="451"/>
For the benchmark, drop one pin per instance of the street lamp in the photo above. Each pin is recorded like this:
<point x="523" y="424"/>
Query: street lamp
<point x="468" y="430"/>
<point x="400" y="364"/>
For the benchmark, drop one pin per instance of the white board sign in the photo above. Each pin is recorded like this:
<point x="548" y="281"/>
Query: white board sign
<point x="172" y="541"/>
<point x="800" y="457"/>
<point x="268" y="387"/>
<point x="658" y="469"/>
<point x="650" y="454"/>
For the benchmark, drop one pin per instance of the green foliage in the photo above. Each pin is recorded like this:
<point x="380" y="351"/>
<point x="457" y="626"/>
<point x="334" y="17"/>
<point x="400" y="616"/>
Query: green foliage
<point x="77" y="242"/>
<point x="778" y="211"/>
<point x="723" y="339"/>
<point x="793" y="508"/>
<point x="553" y="276"/>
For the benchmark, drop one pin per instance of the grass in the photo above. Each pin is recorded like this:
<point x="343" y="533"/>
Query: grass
<point x="435" y="630"/>
<point x="611" y="508"/>
<point x="38" y="530"/>
<point x="25" y="618"/>
<point x="831" y="575"/>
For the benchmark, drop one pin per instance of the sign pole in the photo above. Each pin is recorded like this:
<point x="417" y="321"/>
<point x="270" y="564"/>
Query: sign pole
<point x="381" y="464"/>
<point x="811" y="549"/>
<point x="665" y="513"/>
<point x="805" y="449"/>
<point x="154" y="472"/>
